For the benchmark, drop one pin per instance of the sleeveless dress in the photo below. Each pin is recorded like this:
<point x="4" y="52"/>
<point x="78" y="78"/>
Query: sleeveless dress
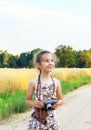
<point x="46" y="90"/>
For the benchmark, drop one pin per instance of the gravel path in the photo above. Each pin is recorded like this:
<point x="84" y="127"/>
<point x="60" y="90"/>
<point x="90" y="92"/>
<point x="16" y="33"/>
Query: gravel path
<point x="74" y="114"/>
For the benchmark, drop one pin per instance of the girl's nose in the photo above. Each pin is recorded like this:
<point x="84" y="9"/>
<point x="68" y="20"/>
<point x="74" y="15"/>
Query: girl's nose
<point x="50" y="62"/>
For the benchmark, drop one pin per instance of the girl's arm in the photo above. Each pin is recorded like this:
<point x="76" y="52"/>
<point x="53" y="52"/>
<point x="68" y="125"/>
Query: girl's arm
<point x="29" y="95"/>
<point x="59" y="96"/>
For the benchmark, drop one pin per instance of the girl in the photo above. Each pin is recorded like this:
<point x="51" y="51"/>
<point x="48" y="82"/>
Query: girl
<point x="44" y="88"/>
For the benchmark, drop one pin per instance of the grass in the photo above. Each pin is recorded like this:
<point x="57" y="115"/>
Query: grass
<point x="14" y="102"/>
<point x="11" y="103"/>
<point x="68" y="86"/>
<point x="14" y="82"/>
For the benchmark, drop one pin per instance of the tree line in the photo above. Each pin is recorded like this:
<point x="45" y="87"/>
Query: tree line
<point x="66" y="57"/>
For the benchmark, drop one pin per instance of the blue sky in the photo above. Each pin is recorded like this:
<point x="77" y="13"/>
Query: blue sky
<point x="29" y="24"/>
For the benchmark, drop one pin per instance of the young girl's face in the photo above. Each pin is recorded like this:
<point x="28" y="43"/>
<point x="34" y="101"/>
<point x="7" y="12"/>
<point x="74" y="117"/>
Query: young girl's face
<point x="47" y="62"/>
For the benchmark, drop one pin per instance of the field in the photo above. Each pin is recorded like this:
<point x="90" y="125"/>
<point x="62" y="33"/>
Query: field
<point x="14" y="82"/>
<point x="12" y="79"/>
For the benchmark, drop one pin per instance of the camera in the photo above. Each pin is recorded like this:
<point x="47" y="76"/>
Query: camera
<point x="48" y="103"/>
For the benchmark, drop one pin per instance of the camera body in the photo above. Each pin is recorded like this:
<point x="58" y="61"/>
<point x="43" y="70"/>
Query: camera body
<point x="48" y="103"/>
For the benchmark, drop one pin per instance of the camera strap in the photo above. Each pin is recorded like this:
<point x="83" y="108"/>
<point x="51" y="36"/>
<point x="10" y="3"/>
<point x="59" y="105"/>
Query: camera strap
<point x="38" y="90"/>
<point x="38" y="93"/>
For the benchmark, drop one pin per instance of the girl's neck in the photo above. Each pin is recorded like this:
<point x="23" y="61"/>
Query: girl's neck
<point x="45" y="76"/>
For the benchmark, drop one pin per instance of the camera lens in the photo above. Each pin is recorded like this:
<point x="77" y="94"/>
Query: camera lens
<point x="49" y="106"/>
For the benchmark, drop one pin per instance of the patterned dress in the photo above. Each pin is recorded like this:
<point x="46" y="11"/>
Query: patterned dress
<point x="46" y="92"/>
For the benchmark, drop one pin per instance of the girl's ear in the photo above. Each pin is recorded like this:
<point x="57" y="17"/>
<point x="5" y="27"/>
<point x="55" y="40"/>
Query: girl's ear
<point x="38" y="65"/>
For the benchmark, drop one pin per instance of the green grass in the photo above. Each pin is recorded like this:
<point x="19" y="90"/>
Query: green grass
<point x="14" y="102"/>
<point x="68" y="86"/>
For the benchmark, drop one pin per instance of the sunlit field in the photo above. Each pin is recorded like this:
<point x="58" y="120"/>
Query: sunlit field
<point x="67" y="74"/>
<point x="12" y="79"/>
<point x="14" y="83"/>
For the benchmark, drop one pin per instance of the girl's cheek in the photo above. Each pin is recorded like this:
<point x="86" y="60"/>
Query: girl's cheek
<point x="54" y="65"/>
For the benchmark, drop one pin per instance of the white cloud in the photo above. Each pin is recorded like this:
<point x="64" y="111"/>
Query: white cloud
<point x="33" y="27"/>
<point x="28" y="12"/>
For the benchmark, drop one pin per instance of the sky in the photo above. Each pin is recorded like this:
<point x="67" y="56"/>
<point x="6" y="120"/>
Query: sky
<point x="29" y="24"/>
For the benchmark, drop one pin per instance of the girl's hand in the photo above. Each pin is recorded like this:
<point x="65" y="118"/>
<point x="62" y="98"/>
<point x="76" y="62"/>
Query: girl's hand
<point x="38" y="104"/>
<point x="54" y="106"/>
<point x="59" y="103"/>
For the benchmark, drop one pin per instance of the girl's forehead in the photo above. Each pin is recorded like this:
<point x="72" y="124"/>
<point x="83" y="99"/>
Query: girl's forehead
<point x="47" y="55"/>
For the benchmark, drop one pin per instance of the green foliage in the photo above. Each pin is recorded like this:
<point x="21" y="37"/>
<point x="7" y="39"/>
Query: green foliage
<point x="85" y="59"/>
<point x="26" y="58"/>
<point x="12" y="62"/>
<point x="33" y="52"/>
<point x="66" y="56"/>
<point x="23" y="59"/>
<point x="68" y="86"/>
<point x="12" y="103"/>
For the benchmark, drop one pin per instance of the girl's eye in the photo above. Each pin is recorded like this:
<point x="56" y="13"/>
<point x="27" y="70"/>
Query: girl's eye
<point x="49" y="61"/>
<point x="46" y="60"/>
<point x="52" y="60"/>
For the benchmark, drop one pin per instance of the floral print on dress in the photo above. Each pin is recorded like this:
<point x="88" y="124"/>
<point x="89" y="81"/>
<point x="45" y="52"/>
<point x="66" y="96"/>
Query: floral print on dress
<point x="46" y="93"/>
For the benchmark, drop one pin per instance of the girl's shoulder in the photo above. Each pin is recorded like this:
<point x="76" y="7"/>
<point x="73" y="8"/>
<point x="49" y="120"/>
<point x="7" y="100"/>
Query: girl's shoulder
<point x="56" y="80"/>
<point x="33" y="81"/>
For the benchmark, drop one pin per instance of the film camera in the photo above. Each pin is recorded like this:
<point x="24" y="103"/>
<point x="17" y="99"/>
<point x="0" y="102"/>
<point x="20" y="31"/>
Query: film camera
<point x="48" y="103"/>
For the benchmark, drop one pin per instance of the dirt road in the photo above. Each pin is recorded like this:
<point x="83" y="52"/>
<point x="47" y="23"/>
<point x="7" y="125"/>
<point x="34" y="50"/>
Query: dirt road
<point x="75" y="114"/>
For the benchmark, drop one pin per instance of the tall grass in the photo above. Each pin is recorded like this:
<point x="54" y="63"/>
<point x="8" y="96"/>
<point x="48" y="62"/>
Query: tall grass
<point x="67" y="74"/>
<point x="12" y="103"/>
<point x="68" y="86"/>
<point x="13" y="79"/>
<point x="14" y="82"/>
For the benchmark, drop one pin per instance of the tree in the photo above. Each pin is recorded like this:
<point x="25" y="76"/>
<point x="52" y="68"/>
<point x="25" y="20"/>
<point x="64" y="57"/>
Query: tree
<point x="26" y="58"/>
<point x="85" y="59"/>
<point x="1" y="58"/>
<point x="12" y="62"/>
<point x="66" y="56"/>
<point x="6" y="56"/>
<point x="33" y="53"/>
<point x="23" y="59"/>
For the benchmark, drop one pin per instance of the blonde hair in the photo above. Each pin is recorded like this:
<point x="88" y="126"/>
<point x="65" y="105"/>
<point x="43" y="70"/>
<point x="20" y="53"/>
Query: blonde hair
<point x="38" y="56"/>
